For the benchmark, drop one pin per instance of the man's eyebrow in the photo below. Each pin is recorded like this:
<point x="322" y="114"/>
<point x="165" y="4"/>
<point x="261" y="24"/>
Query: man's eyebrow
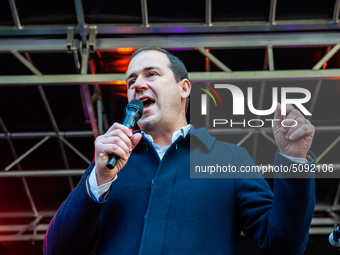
<point x="144" y="70"/>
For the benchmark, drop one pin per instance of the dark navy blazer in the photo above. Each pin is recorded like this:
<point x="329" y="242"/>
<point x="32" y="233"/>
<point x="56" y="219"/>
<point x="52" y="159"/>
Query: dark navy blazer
<point x="154" y="207"/>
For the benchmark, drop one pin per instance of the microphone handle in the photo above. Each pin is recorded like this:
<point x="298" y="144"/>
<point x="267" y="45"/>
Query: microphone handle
<point x="133" y="112"/>
<point x="111" y="163"/>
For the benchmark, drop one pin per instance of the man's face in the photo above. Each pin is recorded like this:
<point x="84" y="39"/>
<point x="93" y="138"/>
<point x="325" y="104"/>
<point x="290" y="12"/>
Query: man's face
<point x="150" y="80"/>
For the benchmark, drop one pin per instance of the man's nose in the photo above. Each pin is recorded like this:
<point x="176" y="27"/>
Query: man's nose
<point x="140" y="84"/>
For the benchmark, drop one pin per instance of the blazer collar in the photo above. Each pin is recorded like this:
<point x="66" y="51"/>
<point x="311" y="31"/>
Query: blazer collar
<point x="203" y="136"/>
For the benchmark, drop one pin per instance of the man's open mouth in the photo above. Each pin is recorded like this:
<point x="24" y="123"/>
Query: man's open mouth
<point x="147" y="102"/>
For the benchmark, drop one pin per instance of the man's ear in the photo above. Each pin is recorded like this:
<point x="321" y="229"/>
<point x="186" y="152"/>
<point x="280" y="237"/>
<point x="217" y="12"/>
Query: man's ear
<point x="185" y="88"/>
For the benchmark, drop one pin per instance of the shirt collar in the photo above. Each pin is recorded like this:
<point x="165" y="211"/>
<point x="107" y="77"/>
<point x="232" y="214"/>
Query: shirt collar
<point x="183" y="131"/>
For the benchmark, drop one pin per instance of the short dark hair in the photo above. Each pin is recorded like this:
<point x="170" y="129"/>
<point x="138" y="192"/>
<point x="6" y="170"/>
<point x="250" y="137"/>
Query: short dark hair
<point x="176" y="65"/>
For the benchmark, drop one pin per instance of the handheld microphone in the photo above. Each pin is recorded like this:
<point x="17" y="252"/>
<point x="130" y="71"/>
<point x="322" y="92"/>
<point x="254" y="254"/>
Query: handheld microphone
<point x="334" y="237"/>
<point x="133" y="112"/>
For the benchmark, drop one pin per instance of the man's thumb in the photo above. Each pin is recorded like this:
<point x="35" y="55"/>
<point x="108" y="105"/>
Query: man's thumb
<point x="135" y="139"/>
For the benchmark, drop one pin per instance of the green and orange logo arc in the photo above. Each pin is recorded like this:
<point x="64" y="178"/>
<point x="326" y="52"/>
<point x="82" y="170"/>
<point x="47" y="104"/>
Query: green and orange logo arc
<point x="209" y="93"/>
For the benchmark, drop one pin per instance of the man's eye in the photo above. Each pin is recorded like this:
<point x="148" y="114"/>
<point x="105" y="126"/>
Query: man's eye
<point x="150" y="74"/>
<point x="131" y="82"/>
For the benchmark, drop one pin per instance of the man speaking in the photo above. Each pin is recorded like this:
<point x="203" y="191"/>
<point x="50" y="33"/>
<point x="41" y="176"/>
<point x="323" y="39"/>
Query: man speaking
<point x="148" y="204"/>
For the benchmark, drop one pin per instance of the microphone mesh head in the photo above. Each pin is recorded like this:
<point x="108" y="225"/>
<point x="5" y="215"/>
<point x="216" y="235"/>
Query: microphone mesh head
<point x="136" y="105"/>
